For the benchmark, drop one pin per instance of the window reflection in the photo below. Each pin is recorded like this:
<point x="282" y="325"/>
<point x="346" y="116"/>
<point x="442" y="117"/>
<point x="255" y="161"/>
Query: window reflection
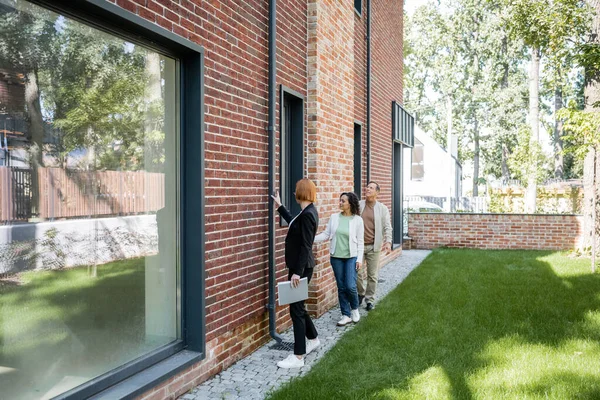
<point x="418" y="165"/>
<point x="88" y="201"/>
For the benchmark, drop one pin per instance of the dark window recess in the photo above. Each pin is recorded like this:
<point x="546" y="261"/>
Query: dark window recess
<point x="417" y="171"/>
<point x="292" y="147"/>
<point x="403" y="125"/>
<point x="397" y="211"/>
<point x="358" y="6"/>
<point x="357" y="159"/>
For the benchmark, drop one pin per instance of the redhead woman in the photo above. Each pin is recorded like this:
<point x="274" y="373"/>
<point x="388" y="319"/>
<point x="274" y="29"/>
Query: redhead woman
<point x="345" y="230"/>
<point x="300" y="262"/>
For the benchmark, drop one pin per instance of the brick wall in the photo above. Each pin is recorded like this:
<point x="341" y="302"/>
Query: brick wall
<point x="387" y="78"/>
<point x="317" y="57"/>
<point x="495" y="231"/>
<point x="360" y="85"/>
<point x="234" y="35"/>
<point x="291" y="73"/>
<point x="330" y="124"/>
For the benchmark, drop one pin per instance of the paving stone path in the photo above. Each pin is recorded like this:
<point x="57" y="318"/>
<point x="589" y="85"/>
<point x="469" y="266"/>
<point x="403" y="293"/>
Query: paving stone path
<point x="256" y="375"/>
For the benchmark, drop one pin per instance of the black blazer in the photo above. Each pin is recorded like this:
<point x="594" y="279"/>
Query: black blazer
<point x="300" y="238"/>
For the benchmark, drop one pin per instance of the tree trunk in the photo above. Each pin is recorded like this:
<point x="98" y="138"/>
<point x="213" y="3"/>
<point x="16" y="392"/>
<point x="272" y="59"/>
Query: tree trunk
<point x="449" y="149"/>
<point x="588" y="194"/>
<point x="534" y="121"/>
<point x="505" y="155"/>
<point x="505" y="66"/>
<point x="36" y="133"/>
<point x="559" y="171"/>
<point x="592" y="97"/>
<point x="594" y="209"/>
<point x="504" y="85"/>
<point x="476" y="154"/>
<point x="153" y="94"/>
<point x="421" y="92"/>
<point x="592" y="76"/>
<point x="91" y="149"/>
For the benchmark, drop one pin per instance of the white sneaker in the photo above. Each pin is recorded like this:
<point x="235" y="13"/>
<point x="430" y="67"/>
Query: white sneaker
<point x="355" y="316"/>
<point x="312" y="344"/>
<point x="291" y="362"/>
<point x="344" y="321"/>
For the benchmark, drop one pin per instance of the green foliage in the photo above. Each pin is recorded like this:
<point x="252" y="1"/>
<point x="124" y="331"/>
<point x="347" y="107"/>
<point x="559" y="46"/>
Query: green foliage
<point x="460" y="50"/>
<point x="588" y="56"/>
<point x="528" y="159"/>
<point x="550" y="200"/>
<point x="475" y="52"/>
<point x="583" y="129"/>
<point x="93" y="88"/>
<point x="501" y="203"/>
<point x="546" y="24"/>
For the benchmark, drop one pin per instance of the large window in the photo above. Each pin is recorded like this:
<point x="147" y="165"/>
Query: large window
<point x="90" y="203"/>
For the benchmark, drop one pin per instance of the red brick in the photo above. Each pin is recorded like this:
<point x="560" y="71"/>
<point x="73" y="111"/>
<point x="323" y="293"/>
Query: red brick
<point x="128" y="5"/>
<point x="147" y="14"/>
<point x="551" y="232"/>
<point x="234" y="36"/>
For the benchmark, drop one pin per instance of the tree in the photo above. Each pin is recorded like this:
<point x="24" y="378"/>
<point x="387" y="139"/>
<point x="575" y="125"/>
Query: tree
<point x="25" y="34"/>
<point x="583" y="127"/>
<point x="84" y="90"/>
<point x="96" y="93"/>
<point x="461" y="53"/>
<point x="543" y="25"/>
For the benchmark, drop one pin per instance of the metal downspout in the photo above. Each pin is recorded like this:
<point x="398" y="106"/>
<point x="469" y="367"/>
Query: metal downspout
<point x="271" y="188"/>
<point x="368" y="90"/>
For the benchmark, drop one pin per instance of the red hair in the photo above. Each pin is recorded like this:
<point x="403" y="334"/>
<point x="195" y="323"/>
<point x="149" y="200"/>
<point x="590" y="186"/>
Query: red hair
<point x="306" y="190"/>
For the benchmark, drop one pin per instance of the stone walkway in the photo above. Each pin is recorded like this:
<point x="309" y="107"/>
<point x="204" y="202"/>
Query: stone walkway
<point x="256" y="375"/>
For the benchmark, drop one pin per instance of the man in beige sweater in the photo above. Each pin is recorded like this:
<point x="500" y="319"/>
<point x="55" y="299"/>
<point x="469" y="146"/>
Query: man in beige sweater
<point x="378" y="237"/>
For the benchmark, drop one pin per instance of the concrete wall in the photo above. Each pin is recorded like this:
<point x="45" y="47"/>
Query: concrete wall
<point x="60" y="244"/>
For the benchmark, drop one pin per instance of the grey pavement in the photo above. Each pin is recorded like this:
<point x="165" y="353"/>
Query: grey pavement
<point x="256" y="375"/>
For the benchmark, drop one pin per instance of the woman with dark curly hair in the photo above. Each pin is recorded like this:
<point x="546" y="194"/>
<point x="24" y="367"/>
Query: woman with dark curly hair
<point x="345" y="230"/>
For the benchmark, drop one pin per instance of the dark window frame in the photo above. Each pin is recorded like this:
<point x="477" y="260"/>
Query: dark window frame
<point x="358" y="9"/>
<point x="288" y="177"/>
<point x="358" y="158"/>
<point x="403" y="125"/>
<point x="145" y="372"/>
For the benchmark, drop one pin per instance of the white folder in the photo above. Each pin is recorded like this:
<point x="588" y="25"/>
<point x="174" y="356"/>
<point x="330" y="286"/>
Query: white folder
<point x="289" y="294"/>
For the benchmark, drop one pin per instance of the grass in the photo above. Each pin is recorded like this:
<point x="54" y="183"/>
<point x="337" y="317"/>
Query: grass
<point x="62" y="323"/>
<point x="471" y="324"/>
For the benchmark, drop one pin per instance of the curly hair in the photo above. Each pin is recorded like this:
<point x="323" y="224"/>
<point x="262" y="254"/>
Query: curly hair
<point x="353" y="200"/>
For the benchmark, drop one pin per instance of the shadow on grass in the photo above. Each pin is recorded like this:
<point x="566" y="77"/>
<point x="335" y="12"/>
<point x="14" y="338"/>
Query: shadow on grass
<point x="65" y="323"/>
<point x="471" y="324"/>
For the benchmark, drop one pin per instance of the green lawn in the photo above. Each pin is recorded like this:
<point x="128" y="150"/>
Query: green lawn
<point x="60" y="324"/>
<point x="469" y="324"/>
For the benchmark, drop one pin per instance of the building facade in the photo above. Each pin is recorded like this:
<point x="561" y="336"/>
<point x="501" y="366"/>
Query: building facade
<point x="138" y="245"/>
<point x="429" y="171"/>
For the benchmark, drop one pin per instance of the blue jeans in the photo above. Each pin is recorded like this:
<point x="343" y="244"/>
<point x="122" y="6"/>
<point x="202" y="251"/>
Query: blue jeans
<point x="344" y="270"/>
